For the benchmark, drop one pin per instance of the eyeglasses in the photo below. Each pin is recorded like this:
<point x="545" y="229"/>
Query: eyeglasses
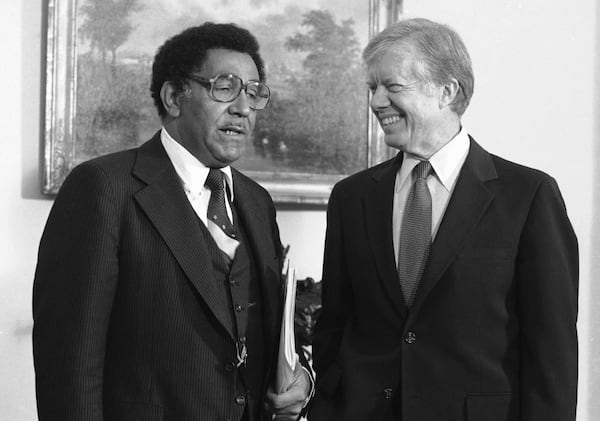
<point x="227" y="87"/>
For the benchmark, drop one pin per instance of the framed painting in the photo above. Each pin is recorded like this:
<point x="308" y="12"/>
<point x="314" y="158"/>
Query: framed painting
<point x="316" y="130"/>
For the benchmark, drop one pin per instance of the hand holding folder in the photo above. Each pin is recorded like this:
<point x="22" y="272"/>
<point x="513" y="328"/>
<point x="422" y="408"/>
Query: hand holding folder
<point x="293" y="385"/>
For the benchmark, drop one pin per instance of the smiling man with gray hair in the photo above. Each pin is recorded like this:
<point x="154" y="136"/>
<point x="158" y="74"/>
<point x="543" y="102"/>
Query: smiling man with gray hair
<point x="450" y="277"/>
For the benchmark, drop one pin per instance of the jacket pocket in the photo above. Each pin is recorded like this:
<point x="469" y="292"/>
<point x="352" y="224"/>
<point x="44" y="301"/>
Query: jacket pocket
<point x="491" y="407"/>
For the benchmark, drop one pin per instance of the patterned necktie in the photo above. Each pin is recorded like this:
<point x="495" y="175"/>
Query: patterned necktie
<point x="219" y="225"/>
<point x="415" y="234"/>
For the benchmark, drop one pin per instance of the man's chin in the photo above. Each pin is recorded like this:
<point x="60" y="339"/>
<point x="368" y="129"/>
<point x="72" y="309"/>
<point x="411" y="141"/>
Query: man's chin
<point x="396" y="141"/>
<point x="230" y="155"/>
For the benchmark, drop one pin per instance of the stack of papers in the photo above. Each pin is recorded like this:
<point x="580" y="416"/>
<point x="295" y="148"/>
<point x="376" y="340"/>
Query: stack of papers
<point x="287" y="358"/>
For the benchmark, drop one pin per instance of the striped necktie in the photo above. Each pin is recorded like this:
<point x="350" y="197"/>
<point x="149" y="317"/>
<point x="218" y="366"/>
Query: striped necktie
<point x="415" y="234"/>
<point x="218" y="223"/>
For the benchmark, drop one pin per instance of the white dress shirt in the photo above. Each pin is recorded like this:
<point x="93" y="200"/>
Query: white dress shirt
<point x="192" y="174"/>
<point x="446" y="164"/>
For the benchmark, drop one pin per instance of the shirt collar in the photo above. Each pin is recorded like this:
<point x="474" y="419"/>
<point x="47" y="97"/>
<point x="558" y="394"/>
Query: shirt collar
<point x="446" y="162"/>
<point x="190" y="170"/>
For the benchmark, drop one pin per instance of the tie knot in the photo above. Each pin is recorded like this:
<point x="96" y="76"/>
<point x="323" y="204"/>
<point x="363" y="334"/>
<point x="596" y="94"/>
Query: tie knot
<point x="423" y="169"/>
<point x="214" y="181"/>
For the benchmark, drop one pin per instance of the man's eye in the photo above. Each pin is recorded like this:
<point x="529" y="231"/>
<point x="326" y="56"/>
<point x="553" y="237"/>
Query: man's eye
<point x="223" y="87"/>
<point x="395" y="87"/>
<point x="252" y="91"/>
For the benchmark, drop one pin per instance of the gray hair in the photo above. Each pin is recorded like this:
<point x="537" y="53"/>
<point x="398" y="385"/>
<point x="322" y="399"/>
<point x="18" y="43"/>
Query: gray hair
<point x="440" y="55"/>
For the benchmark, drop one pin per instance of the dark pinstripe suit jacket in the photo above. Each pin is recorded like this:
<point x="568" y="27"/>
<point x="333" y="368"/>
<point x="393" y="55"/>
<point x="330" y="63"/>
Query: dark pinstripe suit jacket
<point x="127" y="323"/>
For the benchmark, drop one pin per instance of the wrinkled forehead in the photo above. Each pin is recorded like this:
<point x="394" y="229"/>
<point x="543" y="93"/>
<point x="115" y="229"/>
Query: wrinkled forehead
<point x="224" y="61"/>
<point x="393" y="62"/>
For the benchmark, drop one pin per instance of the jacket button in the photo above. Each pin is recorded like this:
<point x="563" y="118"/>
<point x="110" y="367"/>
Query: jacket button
<point x="240" y="400"/>
<point x="238" y="308"/>
<point x="387" y="393"/>
<point x="242" y="339"/>
<point x="229" y="367"/>
<point x="410" y="338"/>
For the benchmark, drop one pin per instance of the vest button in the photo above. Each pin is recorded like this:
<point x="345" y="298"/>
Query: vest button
<point x="388" y="393"/>
<point x="240" y="400"/>
<point x="238" y="308"/>
<point x="410" y="338"/>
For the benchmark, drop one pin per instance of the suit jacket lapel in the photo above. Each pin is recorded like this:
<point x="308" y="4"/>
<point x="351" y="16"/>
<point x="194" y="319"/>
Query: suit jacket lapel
<point x="260" y="242"/>
<point x="378" y="204"/>
<point x="468" y="203"/>
<point x="166" y="205"/>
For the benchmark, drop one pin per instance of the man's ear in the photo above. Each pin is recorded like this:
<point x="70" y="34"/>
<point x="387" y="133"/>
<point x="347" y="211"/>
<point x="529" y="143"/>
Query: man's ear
<point x="449" y="93"/>
<point x="171" y="99"/>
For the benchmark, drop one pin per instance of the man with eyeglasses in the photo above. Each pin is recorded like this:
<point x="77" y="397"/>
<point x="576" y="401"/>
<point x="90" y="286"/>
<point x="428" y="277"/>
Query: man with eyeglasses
<point x="450" y="275"/>
<point x="158" y="290"/>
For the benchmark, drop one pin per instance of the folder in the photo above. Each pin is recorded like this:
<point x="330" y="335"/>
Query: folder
<point x="287" y="358"/>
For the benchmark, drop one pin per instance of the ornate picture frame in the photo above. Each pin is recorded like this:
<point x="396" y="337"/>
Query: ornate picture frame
<point x="317" y="130"/>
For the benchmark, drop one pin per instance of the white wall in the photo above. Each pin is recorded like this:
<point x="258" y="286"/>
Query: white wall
<point x="22" y="213"/>
<point x="537" y="101"/>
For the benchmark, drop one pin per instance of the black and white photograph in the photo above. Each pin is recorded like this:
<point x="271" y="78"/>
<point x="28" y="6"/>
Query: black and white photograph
<point x="316" y="210"/>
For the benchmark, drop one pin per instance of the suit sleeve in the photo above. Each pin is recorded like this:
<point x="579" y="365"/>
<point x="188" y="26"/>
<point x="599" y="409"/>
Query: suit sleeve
<point x="547" y="275"/>
<point x="73" y="291"/>
<point x="336" y="302"/>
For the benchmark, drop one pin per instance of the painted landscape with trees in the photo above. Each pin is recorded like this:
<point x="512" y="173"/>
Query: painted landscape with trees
<point x="316" y="122"/>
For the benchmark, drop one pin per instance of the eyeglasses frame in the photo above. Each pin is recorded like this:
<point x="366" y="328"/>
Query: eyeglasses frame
<point x="209" y="85"/>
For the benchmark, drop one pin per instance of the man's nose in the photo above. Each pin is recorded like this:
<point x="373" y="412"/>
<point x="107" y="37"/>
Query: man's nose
<point x="241" y="105"/>
<point x="379" y="98"/>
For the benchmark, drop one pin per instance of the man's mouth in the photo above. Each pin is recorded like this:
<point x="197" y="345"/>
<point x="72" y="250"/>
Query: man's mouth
<point x="386" y="121"/>
<point x="233" y="130"/>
